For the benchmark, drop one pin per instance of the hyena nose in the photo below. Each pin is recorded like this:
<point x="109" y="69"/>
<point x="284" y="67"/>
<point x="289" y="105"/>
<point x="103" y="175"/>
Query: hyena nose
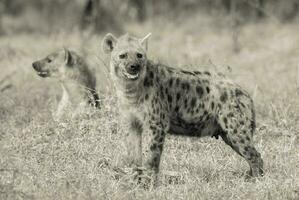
<point x="35" y="65"/>
<point x="135" y="67"/>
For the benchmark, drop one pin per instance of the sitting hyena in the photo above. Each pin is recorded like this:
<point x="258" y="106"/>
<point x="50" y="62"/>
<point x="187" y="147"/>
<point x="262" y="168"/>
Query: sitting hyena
<point x="77" y="80"/>
<point x="162" y="99"/>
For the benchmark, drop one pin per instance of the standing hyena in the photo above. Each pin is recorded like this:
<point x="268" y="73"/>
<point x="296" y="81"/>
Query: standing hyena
<point x="77" y="80"/>
<point x="191" y="103"/>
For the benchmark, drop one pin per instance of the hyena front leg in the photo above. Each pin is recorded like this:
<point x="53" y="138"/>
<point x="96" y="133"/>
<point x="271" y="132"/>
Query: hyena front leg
<point x="63" y="103"/>
<point x="134" y="142"/>
<point x="157" y="131"/>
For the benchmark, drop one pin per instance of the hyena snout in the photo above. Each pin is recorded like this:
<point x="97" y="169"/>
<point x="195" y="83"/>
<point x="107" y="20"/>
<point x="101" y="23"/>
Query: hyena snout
<point x="36" y="66"/>
<point x="133" y="69"/>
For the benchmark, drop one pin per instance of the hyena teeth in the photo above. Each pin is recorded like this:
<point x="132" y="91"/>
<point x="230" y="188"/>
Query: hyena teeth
<point x="131" y="76"/>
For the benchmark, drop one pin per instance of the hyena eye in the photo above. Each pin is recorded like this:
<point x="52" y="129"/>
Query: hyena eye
<point x="122" y="56"/>
<point x="49" y="60"/>
<point x="139" y="55"/>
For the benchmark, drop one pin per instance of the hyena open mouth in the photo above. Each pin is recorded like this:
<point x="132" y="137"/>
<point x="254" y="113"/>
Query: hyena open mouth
<point x="131" y="76"/>
<point x="43" y="74"/>
<point x="132" y="72"/>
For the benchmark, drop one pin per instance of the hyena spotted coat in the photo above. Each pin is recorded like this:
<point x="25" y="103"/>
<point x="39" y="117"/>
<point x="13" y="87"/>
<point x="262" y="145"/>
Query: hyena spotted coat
<point x="164" y="100"/>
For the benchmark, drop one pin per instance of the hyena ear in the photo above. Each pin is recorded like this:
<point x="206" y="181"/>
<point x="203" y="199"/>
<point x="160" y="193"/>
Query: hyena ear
<point x="144" y="41"/>
<point x="109" y="43"/>
<point x="68" y="57"/>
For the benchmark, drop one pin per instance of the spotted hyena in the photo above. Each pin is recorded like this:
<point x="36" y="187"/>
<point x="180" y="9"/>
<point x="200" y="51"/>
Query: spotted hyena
<point x="77" y="80"/>
<point x="162" y="99"/>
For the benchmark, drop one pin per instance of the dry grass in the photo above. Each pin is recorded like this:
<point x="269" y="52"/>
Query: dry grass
<point x="40" y="159"/>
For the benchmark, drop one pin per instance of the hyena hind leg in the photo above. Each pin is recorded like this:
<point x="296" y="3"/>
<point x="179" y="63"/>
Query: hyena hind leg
<point x="244" y="147"/>
<point x="238" y="127"/>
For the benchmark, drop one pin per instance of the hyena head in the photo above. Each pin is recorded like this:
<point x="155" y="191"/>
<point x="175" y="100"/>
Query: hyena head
<point x="55" y="64"/>
<point x="128" y="57"/>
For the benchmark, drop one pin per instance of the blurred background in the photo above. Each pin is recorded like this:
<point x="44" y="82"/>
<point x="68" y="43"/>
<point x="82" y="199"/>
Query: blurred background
<point x="46" y="16"/>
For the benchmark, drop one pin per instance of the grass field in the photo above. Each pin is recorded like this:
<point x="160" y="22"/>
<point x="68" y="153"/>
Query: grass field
<point x="81" y="158"/>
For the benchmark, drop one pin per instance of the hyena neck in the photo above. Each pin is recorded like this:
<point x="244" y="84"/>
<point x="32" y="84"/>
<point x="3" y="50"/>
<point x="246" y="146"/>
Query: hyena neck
<point x="74" y="91"/>
<point x="129" y="92"/>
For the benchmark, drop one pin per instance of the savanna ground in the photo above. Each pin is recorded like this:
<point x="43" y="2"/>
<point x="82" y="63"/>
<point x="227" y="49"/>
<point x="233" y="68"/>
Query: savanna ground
<point x="80" y="158"/>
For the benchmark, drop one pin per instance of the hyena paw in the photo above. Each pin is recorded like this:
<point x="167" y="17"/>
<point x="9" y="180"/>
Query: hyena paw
<point x="146" y="178"/>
